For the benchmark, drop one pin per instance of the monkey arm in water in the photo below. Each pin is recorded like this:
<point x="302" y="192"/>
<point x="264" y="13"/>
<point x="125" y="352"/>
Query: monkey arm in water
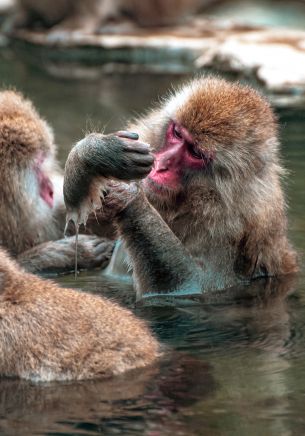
<point x="160" y="262"/>
<point x="59" y="256"/>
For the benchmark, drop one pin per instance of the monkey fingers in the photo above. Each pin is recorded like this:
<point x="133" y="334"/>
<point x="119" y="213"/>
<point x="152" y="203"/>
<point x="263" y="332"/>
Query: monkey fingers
<point x="94" y="252"/>
<point x="136" y="146"/>
<point x="127" y="135"/>
<point x="117" y="197"/>
<point x="59" y="256"/>
<point x="96" y="158"/>
<point x="138" y="165"/>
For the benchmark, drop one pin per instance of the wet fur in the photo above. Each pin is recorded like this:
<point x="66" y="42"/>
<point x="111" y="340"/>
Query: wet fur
<point x="232" y="217"/>
<point x="48" y="333"/>
<point x="220" y="226"/>
<point x="24" y="135"/>
<point x="27" y="223"/>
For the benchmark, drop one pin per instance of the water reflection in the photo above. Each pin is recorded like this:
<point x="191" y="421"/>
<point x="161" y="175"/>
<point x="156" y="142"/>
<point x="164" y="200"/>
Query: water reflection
<point x="128" y="403"/>
<point x="227" y="368"/>
<point x="234" y="367"/>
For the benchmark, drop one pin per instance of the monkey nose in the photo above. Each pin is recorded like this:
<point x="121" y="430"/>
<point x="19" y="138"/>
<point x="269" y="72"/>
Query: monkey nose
<point x="161" y="165"/>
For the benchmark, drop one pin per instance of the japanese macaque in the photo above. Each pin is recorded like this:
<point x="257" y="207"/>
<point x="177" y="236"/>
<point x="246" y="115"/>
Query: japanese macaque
<point x="49" y="333"/>
<point x="32" y="212"/>
<point x="91" y="15"/>
<point x="211" y="213"/>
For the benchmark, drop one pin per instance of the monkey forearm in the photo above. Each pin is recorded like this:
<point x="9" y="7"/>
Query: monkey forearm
<point x="161" y="264"/>
<point x="59" y="256"/>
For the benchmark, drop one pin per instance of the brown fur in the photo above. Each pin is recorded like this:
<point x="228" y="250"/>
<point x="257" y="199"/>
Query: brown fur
<point x="22" y="131"/>
<point x="23" y="135"/>
<point x="218" y="226"/>
<point x="232" y="218"/>
<point x="27" y="223"/>
<point x="49" y="333"/>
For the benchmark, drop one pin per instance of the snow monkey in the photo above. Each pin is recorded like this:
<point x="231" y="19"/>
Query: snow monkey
<point x="211" y="212"/>
<point x="32" y="212"/>
<point x="49" y="333"/>
<point x="91" y="15"/>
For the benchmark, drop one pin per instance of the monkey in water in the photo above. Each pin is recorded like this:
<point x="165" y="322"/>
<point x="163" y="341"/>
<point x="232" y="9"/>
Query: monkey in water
<point x="211" y="213"/>
<point x="49" y="333"/>
<point x="32" y="211"/>
<point x="90" y="15"/>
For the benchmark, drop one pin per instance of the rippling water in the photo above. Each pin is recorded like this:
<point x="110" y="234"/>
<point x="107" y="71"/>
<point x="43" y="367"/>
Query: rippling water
<point x="236" y="368"/>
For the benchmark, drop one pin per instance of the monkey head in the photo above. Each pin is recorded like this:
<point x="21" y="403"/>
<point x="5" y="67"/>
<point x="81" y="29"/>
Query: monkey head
<point x="209" y="131"/>
<point x="26" y="148"/>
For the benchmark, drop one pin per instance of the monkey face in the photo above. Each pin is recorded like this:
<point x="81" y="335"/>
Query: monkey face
<point x="27" y="153"/>
<point x="179" y="155"/>
<point x="43" y="181"/>
<point x="214" y="129"/>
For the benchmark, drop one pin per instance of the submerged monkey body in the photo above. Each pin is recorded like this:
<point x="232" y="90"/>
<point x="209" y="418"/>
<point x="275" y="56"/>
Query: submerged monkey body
<point x="212" y="205"/>
<point x="48" y="333"/>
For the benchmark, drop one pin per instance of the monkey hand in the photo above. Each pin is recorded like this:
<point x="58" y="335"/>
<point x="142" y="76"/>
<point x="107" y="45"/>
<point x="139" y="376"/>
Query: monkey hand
<point x="133" y="157"/>
<point x="96" y="157"/>
<point x="117" y="197"/>
<point x="119" y="155"/>
<point x="59" y="256"/>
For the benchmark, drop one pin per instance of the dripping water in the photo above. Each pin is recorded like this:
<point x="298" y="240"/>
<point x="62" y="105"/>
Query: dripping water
<point x="76" y="250"/>
<point x="76" y="226"/>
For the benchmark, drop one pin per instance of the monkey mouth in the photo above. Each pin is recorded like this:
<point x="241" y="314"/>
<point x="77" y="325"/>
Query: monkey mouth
<point x="154" y="188"/>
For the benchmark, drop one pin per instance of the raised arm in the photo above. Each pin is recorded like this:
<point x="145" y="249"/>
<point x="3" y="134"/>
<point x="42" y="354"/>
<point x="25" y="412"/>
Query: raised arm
<point x="93" y="160"/>
<point x="160" y="262"/>
<point x="215" y="183"/>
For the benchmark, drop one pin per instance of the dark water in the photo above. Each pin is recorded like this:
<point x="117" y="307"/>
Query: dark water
<point x="235" y="369"/>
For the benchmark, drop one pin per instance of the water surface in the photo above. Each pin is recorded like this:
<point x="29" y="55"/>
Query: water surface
<point x="235" y="369"/>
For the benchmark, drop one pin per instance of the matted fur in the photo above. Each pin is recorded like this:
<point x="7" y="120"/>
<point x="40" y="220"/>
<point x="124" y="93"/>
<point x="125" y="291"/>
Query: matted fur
<point x="48" y="333"/>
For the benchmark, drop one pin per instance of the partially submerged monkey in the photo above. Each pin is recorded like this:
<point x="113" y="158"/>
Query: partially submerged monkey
<point x="211" y="213"/>
<point x="49" y="333"/>
<point x="32" y="211"/>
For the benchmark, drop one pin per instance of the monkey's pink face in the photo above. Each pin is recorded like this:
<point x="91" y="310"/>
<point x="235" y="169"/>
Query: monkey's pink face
<point x="179" y="156"/>
<point x="45" y="186"/>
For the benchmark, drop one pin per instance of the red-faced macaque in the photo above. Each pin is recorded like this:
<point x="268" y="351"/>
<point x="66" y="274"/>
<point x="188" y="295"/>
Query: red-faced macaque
<point x="211" y="213"/>
<point x="32" y="212"/>
<point x="49" y="333"/>
<point x="91" y="15"/>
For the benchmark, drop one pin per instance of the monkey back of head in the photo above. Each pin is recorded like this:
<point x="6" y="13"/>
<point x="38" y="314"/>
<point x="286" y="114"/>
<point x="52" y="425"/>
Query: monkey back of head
<point x="51" y="333"/>
<point x="26" y="146"/>
<point x="23" y="134"/>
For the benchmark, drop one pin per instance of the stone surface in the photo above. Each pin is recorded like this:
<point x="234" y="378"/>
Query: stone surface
<point x="274" y="57"/>
<point x="6" y="6"/>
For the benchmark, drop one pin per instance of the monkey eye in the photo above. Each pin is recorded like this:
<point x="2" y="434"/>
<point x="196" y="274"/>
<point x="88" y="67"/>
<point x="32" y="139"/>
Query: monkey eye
<point x="195" y="152"/>
<point x="177" y="132"/>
